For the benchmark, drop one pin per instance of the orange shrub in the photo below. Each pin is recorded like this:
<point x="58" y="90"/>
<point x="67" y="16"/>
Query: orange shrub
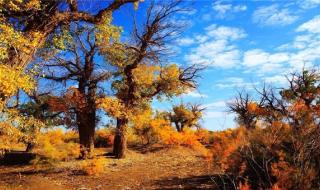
<point x="225" y="143"/>
<point x="104" y="137"/>
<point x="188" y="138"/>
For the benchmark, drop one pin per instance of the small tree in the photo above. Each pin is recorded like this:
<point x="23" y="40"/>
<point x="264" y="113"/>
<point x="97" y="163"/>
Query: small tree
<point x="241" y="106"/>
<point x="186" y="116"/>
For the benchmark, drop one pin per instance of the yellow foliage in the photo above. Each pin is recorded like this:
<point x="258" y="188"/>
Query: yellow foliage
<point x="61" y="40"/>
<point x="169" y="78"/>
<point x="10" y="38"/>
<point x="106" y="33"/>
<point x="167" y="135"/>
<point x="204" y="136"/>
<point x="12" y="79"/>
<point x="95" y="166"/>
<point x="144" y="75"/>
<point x="18" y="5"/>
<point x="52" y="146"/>
<point x="15" y="130"/>
<point x="112" y="106"/>
<point x="9" y="136"/>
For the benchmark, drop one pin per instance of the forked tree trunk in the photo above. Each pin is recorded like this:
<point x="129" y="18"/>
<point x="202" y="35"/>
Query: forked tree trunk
<point x="120" y="141"/>
<point x="30" y="146"/>
<point x="86" y="134"/>
<point x="179" y="126"/>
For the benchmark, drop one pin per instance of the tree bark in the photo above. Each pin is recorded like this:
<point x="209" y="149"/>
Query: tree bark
<point x="86" y="127"/>
<point x="30" y="146"/>
<point x="120" y="141"/>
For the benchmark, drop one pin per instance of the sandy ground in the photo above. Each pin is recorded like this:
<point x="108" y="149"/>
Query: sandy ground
<point x="169" y="168"/>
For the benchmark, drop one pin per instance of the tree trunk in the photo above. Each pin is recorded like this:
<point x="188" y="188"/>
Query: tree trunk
<point x="86" y="134"/>
<point x="30" y="146"/>
<point x="179" y="126"/>
<point x="120" y="141"/>
<point x="86" y="124"/>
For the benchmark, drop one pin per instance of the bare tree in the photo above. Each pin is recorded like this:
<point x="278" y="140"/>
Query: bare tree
<point x="240" y="107"/>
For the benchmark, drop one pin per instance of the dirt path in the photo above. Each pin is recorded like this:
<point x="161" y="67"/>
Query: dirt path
<point x="175" y="168"/>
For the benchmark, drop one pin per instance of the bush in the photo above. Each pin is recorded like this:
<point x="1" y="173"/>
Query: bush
<point x="71" y="136"/>
<point x="132" y="137"/>
<point x="9" y="138"/>
<point x="93" y="167"/>
<point x="262" y="158"/>
<point x="104" y="138"/>
<point x="52" y="146"/>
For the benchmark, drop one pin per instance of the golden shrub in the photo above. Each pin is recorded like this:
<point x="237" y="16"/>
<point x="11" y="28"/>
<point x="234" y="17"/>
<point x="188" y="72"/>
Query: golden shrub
<point x="52" y="147"/>
<point x="95" y="166"/>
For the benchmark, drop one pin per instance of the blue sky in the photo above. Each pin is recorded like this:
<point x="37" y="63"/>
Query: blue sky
<point x="243" y="44"/>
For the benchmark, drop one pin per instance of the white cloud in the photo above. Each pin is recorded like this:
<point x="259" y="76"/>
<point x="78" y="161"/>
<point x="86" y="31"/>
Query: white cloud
<point x="303" y="51"/>
<point x="217" y="104"/>
<point x="300" y="42"/>
<point x="240" y="8"/>
<point x="305" y="48"/>
<point x="272" y="15"/>
<point x="215" y="53"/>
<point x="277" y="79"/>
<point x="189" y="12"/>
<point x="305" y="57"/>
<point x="195" y="94"/>
<point x="262" y="59"/>
<point x="262" y="62"/>
<point x="185" y="41"/>
<point x="309" y="4"/>
<point x="235" y="82"/>
<point x="201" y="38"/>
<point x="215" y="48"/>
<point x="224" y="32"/>
<point x="312" y="26"/>
<point x="215" y="114"/>
<point x="223" y="9"/>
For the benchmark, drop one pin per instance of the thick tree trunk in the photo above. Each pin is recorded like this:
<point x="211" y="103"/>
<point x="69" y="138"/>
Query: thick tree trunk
<point x="120" y="141"/>
<point x="86" y="134"/>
